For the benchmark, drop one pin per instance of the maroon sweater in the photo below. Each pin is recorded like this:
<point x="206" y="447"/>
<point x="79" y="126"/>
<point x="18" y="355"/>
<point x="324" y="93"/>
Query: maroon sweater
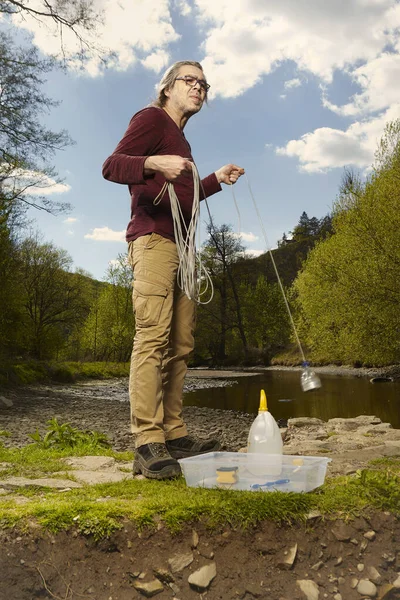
<point x="150" y="132"/>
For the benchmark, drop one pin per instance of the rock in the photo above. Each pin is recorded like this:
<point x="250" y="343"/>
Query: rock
<point x="149" y="588"/>
<point x="195" y="539"/>
<point x="318" y="565"/>
<point x="353" y="583"/>
<point x="7" y="401"/>
<point x="373" y="575"/>
<point x="309" y="588"/>
<point x="201" y="579"/>
<point x="286" y="561"/>
<point x="94" y="477"/>
<point x="366" y="588"/>
<point x="163" y="575"/>
<point x="370" y="535"/>
<point x="90" y="463"/>
<point x="305" y="422"/>
<point x="57" y="484"/>
<point x="337" y="597"/>
<point x="360" y="567"/>
<point x="396" y="583"/>
<point x="180" y="561"/>
<point x="342" y="532"/>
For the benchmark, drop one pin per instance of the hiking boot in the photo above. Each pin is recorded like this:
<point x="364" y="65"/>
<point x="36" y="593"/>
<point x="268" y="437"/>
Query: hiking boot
<point x="154" y="461"/>
<point x="188" y="445"/>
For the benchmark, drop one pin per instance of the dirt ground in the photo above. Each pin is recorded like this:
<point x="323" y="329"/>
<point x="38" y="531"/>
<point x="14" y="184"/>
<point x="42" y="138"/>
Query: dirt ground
<point x="312" y="561"/>
<point x="248" y="564"/>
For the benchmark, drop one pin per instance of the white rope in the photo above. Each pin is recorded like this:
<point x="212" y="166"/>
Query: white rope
<point x="192" y="275"/>
<point x="274" y="266"/>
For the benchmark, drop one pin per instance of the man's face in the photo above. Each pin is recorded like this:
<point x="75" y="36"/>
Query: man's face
<point x="187" y="96"/>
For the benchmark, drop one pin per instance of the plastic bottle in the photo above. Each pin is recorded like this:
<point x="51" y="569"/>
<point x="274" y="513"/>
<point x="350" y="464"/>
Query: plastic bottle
<point x="265" y="438"/>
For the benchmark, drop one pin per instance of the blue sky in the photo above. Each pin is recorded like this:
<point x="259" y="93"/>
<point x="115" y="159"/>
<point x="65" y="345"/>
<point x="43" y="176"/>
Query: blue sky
<point x="299" y="90"/>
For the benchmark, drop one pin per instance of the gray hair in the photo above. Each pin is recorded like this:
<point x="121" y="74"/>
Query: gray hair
<point x="168" y="80"/>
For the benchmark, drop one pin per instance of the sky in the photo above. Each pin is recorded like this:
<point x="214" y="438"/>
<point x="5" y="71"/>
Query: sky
<point x="300" y="90"/>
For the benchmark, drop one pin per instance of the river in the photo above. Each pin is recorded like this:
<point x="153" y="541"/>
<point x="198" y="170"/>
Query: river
<point x="339" y="396"/>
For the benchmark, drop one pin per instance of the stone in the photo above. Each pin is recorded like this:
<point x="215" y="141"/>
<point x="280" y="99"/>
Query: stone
<point x="353" y="583"/>
<point x="337" y="597"/>
<point x="7" y="401"/>
<point x="366" y="588"/>
<point x="149" y="588"/>
<point x="342" y="532"/>
<point x="286" y="560"/>
<point x="396" y="583"/>
<point x="360" y="567"/>
<point x="180" y="561"/>
<point x="195" y="539"/>
<point x="90" y="463"/>
<point x="94" y="477"/>
<point x="305" y="422"/>
<point x="309" y="588"/>
<point x="163" y="575"/>
<point x="373" y="575"/>
<point x="318" y="565"/>
<point x="24" y="482"/>
<point x="370" y="535"/>
<point x="201" y="579"/>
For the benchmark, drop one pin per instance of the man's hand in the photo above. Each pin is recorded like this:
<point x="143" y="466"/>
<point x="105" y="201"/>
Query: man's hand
<point x="229" y="174"/>
<point x="169" y="165"/>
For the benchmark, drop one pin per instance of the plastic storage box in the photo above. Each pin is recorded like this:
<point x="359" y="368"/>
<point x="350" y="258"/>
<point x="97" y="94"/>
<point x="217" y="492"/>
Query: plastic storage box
<point x="255" y="472"/>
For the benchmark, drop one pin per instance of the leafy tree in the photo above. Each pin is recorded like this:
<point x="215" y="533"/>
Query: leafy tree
<point x="348" y="290"/>
<point x="219" y="253"/>
<point x="54" y="299"/>
<point x="109" y="329"/>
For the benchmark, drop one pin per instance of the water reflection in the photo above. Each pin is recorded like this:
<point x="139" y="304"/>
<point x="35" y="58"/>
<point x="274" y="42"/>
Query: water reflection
<point x="340" y="396"/>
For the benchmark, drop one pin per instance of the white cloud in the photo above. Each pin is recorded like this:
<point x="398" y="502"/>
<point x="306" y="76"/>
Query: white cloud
<point x="379" y="80"/>
<point x="282" y="96"/>
<point x="292" y="83"/>
<point x="156" y="61"/>
<point x="246" y="237"/>
<point x="326" y="148"/>
<point x="35" y="183"/>
<point x="105" y="234"/>
<point x="132" y="29"/>
<point x="247" y="39"/>
<point x="70" y="220"/>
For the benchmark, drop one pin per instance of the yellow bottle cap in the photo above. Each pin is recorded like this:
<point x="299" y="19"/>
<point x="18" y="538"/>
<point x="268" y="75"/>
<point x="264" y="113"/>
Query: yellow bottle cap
<point x="263" y="401"/>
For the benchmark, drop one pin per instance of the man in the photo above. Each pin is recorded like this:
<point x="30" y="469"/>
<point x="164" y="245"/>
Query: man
<point x="152" y="152"/>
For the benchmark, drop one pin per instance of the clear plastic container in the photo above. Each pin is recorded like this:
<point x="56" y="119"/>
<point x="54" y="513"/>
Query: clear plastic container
<point x="237" y="471"/>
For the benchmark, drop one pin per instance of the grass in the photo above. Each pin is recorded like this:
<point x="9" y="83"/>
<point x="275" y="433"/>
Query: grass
<point x="100" y="509"/>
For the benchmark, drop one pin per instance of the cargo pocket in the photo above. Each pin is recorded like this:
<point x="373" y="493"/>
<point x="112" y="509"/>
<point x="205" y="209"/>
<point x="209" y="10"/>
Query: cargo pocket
<point x="148" y="302"/>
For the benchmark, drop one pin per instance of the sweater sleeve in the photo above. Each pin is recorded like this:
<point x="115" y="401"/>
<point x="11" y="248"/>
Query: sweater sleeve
<point x="126" y="163"/>
<point x="210" y="186"/>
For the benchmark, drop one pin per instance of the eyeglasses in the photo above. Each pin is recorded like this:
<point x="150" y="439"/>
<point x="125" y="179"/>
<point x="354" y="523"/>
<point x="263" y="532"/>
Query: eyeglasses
<point x="192" y="81"/>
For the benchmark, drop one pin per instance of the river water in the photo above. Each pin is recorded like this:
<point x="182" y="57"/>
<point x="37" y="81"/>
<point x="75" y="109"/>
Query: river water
<point x="339" y="396"/>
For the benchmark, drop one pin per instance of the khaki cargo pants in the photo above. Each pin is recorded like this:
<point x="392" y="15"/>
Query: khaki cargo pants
<point x="163" y="340"/>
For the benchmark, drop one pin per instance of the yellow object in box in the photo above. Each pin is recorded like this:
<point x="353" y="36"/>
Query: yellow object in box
<point x="227" y="475"/>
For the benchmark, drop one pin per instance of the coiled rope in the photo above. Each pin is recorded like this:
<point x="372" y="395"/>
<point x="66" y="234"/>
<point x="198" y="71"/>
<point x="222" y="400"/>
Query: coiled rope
<point x="192" y="277"/>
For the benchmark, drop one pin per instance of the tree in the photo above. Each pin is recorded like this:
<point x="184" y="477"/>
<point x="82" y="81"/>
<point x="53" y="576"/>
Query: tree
<point x="219" y="253"/>
<point x="54" y="298"/>
<point x="25" y="144"/>
<point x="348" y="290"/>
<point x="109" y="329"/>
<point x="80" y="17"/>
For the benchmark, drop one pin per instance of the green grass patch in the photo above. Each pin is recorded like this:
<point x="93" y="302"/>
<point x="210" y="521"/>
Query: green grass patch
<point x="100" y="509"/>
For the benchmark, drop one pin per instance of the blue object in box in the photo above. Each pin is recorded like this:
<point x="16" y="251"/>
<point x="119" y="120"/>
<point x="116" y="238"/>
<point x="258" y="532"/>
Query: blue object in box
<point x="255" y="472"/>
